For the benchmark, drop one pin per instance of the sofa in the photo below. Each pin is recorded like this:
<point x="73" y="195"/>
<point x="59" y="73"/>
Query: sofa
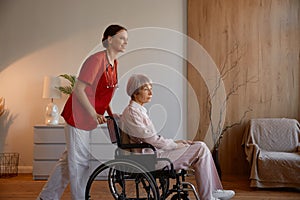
<point x="272" y="149"/>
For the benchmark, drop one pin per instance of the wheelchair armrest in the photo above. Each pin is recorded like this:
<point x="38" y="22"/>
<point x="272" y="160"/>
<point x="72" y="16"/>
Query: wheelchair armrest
<point x="170" y="163"/>
<point x="139" y="146"/>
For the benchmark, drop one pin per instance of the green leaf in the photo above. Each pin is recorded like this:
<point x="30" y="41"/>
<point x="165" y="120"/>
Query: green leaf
<point x="70" y="78"/>
<point x="67" y="89"/>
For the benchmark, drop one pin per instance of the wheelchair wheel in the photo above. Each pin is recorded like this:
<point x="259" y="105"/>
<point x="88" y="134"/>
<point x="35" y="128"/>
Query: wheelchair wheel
<point x="126" y="180"/>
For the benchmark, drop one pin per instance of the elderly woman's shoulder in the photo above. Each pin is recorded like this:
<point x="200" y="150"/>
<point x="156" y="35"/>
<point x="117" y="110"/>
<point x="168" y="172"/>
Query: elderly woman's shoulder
<point x="131" y="111"/>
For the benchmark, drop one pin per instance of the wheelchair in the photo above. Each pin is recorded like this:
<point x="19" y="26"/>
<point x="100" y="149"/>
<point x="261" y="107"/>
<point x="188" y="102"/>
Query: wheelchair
<point x="134" y="176"/>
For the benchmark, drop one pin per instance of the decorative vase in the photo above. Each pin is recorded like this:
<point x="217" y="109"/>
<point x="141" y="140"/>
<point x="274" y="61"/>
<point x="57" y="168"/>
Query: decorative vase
<point x="215" y="155"/>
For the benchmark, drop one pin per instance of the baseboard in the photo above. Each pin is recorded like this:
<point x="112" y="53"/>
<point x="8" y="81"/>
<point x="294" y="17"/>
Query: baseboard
<point x="25" y="169"/>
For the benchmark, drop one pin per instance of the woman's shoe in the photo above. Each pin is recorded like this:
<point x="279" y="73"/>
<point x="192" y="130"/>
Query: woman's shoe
<point x="223" y="194"/>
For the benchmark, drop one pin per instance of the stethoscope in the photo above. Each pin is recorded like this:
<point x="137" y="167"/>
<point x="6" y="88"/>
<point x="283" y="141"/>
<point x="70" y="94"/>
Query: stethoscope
<point x="109" y="79"/>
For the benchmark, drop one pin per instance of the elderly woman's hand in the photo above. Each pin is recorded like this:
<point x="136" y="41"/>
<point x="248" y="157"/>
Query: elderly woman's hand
<point x="183" y="143"/>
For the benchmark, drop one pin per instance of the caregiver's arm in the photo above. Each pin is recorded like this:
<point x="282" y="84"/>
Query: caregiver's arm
<point x="79" y="91"/>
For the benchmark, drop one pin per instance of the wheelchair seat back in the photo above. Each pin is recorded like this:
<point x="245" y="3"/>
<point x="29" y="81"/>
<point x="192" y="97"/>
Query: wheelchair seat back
<point x="113" y="130"/>
<point x="128" y="151"/>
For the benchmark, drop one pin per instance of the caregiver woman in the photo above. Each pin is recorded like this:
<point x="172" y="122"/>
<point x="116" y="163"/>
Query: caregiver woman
<point x="83" y="111"/>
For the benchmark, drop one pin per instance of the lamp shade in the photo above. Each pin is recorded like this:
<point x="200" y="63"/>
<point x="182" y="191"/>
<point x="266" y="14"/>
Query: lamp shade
<point x="50" y="87"/>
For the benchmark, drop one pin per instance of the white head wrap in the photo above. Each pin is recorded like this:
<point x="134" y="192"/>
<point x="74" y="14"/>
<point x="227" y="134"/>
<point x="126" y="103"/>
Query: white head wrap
<point x="135" y="82"/>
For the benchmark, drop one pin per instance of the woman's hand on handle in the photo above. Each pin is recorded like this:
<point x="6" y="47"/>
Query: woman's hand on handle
<point x="101" y="119"/>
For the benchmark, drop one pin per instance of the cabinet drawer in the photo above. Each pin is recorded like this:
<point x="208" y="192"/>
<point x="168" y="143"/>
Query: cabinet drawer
<point x="42" y="169"/>
<point x="48" y="152"/>
<point x="44" y="135"/>
<point x="54" y="151"/>
<point x="49" y="135"/>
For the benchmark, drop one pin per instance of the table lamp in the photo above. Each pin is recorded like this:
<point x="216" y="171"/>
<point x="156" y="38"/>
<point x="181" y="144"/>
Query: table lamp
<point x="50" y="91"/>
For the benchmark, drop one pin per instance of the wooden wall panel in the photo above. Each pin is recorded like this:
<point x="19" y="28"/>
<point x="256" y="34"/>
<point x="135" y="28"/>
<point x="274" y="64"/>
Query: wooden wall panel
<point x="256" y="46"/>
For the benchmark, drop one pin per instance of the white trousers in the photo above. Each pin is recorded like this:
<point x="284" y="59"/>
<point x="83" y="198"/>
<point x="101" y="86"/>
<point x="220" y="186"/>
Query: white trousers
<point x="72" y="167"/>
<point x="198" y="157"/>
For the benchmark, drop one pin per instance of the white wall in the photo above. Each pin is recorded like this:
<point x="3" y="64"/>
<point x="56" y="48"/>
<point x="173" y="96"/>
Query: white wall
<point x="52" y="37"/>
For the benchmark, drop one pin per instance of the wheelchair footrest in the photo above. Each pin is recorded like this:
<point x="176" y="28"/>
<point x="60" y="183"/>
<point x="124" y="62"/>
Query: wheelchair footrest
<point x="187" y="186"/>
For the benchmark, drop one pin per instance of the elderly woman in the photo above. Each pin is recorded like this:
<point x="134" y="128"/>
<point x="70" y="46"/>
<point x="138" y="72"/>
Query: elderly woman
<point x="184" y="154"/>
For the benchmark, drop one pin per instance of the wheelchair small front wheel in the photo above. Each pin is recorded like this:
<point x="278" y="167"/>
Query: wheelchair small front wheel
<point x="180" y="197"/>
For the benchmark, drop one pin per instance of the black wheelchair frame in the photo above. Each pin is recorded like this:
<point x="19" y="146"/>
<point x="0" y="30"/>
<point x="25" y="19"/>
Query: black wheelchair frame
<point x="133" y="176"/>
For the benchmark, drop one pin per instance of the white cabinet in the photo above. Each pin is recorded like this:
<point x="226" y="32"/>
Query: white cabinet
<point x="49" y="144"/>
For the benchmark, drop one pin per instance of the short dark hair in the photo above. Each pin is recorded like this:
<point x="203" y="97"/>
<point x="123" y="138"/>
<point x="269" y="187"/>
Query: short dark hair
<point x="111" y="31"/>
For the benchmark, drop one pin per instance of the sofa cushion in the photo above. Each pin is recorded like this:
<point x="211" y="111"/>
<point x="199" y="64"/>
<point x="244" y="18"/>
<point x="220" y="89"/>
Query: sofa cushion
<point x="278" y="166"/>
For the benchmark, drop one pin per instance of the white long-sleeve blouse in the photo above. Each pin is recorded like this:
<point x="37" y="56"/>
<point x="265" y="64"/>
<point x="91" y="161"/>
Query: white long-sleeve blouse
<point x="137" y="124"/>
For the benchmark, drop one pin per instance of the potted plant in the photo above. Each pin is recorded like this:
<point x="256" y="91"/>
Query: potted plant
<point x="69" y="88"/>
<point x="2" y="105"/>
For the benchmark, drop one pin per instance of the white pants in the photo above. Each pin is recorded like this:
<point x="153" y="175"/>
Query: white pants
<point x="199" y="158"/>
<point x="72" y="167"/>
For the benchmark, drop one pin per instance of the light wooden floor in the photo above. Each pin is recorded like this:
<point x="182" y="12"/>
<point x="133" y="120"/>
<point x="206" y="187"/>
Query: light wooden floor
<point x="23" y="187"/>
